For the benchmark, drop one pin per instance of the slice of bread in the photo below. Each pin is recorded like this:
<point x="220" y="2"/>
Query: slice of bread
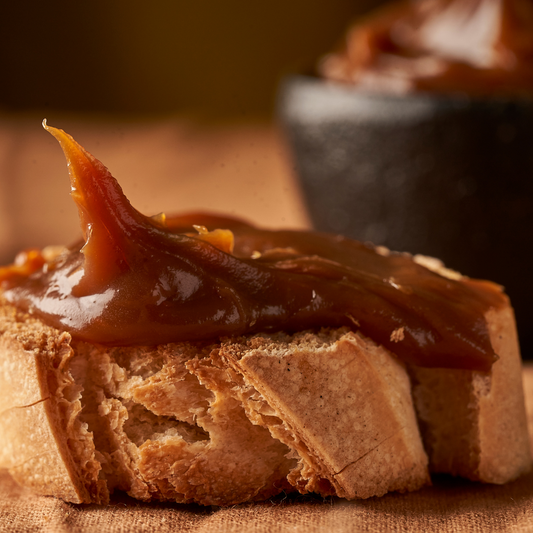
<point x="43" y="442"/>
<point x="178" y="422"/>
<point x="245" y="419"/>
<point x="79" y="421"/>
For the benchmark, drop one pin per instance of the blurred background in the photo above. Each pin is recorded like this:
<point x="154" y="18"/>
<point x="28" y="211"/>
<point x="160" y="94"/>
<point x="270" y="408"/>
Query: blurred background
<point x="220" y="59"/>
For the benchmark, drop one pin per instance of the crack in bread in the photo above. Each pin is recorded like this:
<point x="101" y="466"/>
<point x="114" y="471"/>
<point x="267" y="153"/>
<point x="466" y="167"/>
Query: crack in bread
<point x="370" y="451"/>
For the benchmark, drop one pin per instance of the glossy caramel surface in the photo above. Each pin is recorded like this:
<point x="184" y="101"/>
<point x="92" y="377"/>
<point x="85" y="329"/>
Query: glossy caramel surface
<point x="140" y="280"/>
<point x="474" y="47"/>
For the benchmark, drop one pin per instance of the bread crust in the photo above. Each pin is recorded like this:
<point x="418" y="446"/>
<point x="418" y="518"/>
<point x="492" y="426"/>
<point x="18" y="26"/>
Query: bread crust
<point x="42" y="442"/>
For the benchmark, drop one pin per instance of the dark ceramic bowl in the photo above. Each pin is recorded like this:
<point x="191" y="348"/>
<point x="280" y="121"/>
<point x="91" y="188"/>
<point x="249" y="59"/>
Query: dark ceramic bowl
<point x="446" y="177"/>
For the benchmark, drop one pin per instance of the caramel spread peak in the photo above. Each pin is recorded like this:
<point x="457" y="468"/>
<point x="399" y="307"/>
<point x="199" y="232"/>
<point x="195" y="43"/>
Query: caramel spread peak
<point x="139" y="280"/>
<point x="106" y="216"/>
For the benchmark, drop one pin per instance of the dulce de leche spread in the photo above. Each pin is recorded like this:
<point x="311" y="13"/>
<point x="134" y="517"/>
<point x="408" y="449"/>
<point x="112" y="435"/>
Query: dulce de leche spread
<point x="138" y="280"/>
<point x="477" y="47"/>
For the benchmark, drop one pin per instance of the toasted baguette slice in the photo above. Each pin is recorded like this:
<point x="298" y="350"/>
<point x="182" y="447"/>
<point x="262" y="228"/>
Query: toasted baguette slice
<point x="173" y="422"/>
<point x="474" y="424"/>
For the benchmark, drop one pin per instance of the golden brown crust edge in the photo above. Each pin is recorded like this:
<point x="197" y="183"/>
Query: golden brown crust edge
<point x="474" y="424"/>
<point x="39" y="431"/>
<point x="505" y="447"/>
